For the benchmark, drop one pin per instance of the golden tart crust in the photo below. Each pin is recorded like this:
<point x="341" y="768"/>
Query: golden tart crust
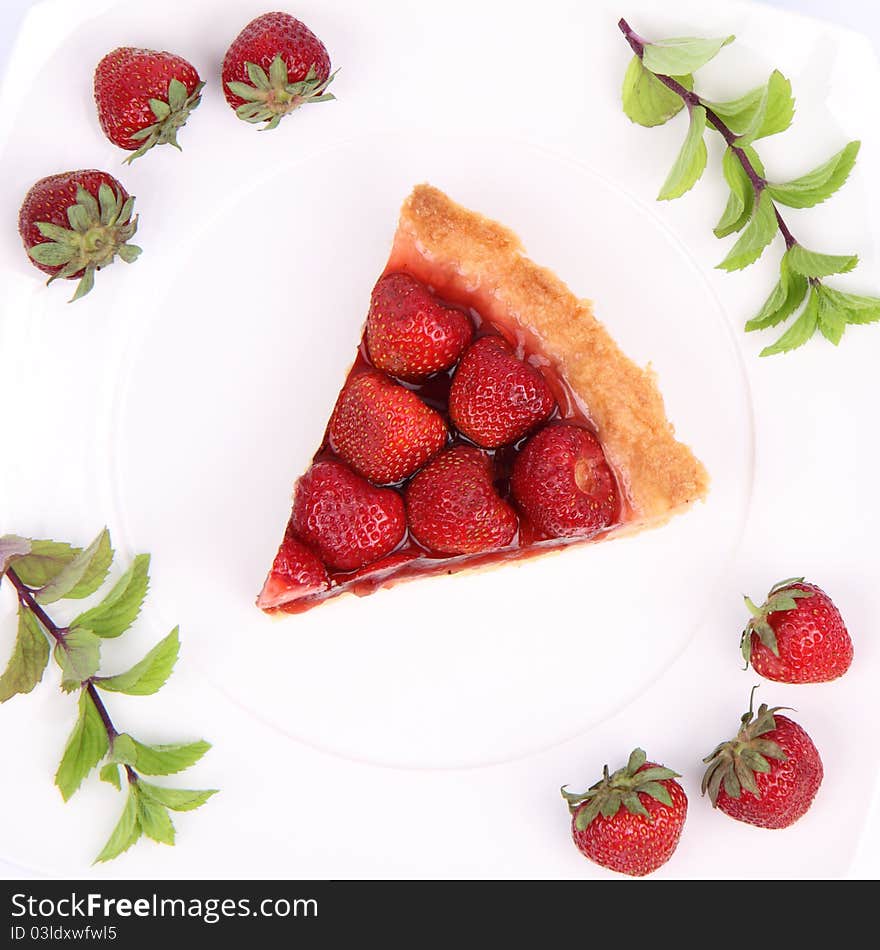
<point x="466" y="255"/>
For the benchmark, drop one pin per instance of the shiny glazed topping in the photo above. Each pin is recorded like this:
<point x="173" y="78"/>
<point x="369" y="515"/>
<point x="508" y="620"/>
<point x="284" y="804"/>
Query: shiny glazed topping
<point x="489" y="458"/>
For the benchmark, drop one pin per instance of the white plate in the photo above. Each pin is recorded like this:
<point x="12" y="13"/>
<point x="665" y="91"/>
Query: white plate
<point x="449" y="671"/>
<point x="190" y="389"/>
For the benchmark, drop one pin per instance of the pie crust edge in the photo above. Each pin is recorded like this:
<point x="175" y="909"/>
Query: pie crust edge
<point x="660" y="474"/>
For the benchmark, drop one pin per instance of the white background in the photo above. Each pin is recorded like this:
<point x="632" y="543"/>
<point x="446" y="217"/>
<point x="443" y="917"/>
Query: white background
<point x="787" y="395"/>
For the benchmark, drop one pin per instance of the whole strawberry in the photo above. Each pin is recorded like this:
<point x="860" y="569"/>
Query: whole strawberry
<point x="629" y="821"/>
<point x="384" y="431"/>
<point x="797" y="636"/>
<point x="410" y="334"/>
<point x="768" y="775"/>
<point x="296" y="572"/>
<point x="562" y="482"/>
<point x="144" y="96"/>
<point x="275" y="65"/>
<point x="453" y="508"/>
<point x="75" y="223"/>
<point x="496" y="398"/>
<point x="344" y="518"/>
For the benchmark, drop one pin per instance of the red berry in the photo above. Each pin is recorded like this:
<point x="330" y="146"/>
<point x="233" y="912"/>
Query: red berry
<point x="383" y="431"/>
<point x="75" y="223"/>
<point x="768" y="775"/>
<point x="562" y="482"/>
<point x="496" y="398"/>
<point x="797" y="636"/>
<point x="410" y="334"/>
<point x="631" y="820"/>
<point x="348" y="521"/>
<point x="296" y="572"/>
<point x="453" y="508"/>
<point x="274" y="66"/>
<point x="144" y="96"/>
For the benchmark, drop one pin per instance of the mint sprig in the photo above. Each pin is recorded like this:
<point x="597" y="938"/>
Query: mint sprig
<point x="657" y="86"/>
<point x="44" y="572"/>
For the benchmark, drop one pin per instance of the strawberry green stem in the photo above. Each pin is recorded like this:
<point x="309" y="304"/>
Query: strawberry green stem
<point x="691" y="99"/>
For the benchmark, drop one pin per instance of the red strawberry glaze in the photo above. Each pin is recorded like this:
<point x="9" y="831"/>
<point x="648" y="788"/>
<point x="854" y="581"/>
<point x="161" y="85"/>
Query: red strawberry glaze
<point x="410" y="560"/>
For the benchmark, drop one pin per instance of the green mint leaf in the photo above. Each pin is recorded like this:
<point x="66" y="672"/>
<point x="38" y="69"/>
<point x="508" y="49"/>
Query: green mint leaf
<point x="150" y="674"/>
<point x="691" y="159"/>
<point x="158" y="759"/>
<point x="742" y="196"/>
<point x="753" y="158"/>
<point x="786" y="297"/>
<point x="85" y="748"/>
<point x="29" y="657"/>
<point x="681" y="55"/>
<point x="759" y="232"/>
<point x="859" y="310"/>
<point x="82" y="575"/>
<point x="45" y="561"/>
<point x="820" y="183"/>
<point x="126" y="832"/>
<point x="739" y="113"/>
<point x="120" y="608"/>
<point x="155" y="821"/>
<point x="110" y="773"/>
<point x="799" y="332"/>
<point x="177" y="799"/>
<point x="832" y="319"/>
<point x="813" y="264"/>
<point x="646" y="100"/>
<point x="79" y="657"/>
<point x="12" y="547"/>
<point x="123" y="750"/>
<point x="773" y="113"/>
